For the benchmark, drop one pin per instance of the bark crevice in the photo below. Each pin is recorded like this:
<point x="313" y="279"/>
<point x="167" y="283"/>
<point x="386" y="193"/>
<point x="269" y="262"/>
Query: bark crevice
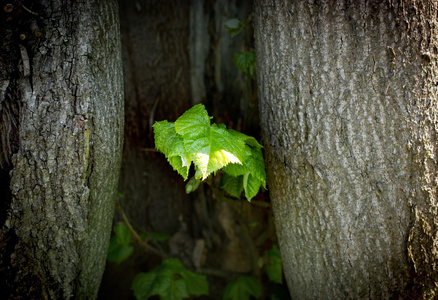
<point x="348" y="113"/>
<point x="69" y="87"/>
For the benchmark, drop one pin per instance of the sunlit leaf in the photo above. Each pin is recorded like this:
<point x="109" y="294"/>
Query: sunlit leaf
<point x="210" y="147"/>
<point x="171" y="145"/>
<point x="249" y="140"/>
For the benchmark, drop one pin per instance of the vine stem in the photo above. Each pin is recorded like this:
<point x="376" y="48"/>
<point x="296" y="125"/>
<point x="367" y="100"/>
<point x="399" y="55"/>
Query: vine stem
<point x="28" y="10"/>
<point x="146" y="246"/>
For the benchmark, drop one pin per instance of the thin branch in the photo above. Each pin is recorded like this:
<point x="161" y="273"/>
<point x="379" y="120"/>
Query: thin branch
<point x="146" y="246"/>
<point x="28" y="10"/>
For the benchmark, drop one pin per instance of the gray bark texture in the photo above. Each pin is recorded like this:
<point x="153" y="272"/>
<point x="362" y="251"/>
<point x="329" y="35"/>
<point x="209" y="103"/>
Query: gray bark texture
<point x="64" y="77"/>
<point x="348" y="102"/>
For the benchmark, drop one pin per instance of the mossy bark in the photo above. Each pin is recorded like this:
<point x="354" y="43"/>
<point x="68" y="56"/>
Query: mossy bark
<point x="348" y="102"/>
<point x="66" y="79"/>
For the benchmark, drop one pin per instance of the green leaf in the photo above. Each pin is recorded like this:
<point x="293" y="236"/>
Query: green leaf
<point x="242" y="288"/>
<point x="222" y="125"/>
<point x="235" y="170"/>
<point x="275" y="272"/>
<point x="232" y="185"/>
<point x="171" y="145"/>
<point x="196" y="284"/>
<point x="249" y="140"/>
<point x="251" y="185"/>
<point x="245" y="61"/>
<point x="173" y="264"/>
<point x="210" y="147"/>
<point x="192" y="185"/>
<point x="118" y="253"/>
<point x="119" y="248"/>
<point x="256" y="164"/>
<point x="253" y="171"/>
<point x="274" y="253"/>
<point x="176" y="290"/>
<point x="274" y="267"/>
<point x="180" y="165"/>
<point x="234" y="26"/>
<point x="170" y="280"/>
<point x="194" y="123"/>
<point x="123" y="234"/>
<point x="142" y="285"/>
<point x="232" y="23"/>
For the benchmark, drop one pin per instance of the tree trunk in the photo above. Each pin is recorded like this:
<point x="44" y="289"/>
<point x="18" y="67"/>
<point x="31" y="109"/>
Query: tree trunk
<point x="348" y="102"/>
<point x="61" y="102"/>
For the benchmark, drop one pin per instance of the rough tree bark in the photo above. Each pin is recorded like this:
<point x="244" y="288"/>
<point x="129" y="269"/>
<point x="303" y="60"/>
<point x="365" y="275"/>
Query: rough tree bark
<point x="61" y="103"/>
<point x="348" y="102"/>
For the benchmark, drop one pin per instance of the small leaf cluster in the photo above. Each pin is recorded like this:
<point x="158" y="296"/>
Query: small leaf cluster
<point x="245" y="287"/>
<point x="211" y="147"/>
<point x="171" y="281"/>
<point x="234" y="26"/>
<point x="246" y="60"/>
<point x="242" y="289"/>
<point x="120" y="247"/>
<point x="273" y="267"/>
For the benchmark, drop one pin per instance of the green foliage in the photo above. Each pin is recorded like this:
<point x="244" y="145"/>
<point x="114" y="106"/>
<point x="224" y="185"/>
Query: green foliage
<point x="232" y="184"/>
<point x="171" y="281"/>
<point x="242" y="288"/>
<point x="172" y="145"/>
<point x="246" y="62"/>
<point x="192" y="185"/>
<point x="211" y="147"/>
<point x="234" y="26"/>
<point x="120" y="247"/>
<point x="274" y="265"/>
<point x="159" y="236"/>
